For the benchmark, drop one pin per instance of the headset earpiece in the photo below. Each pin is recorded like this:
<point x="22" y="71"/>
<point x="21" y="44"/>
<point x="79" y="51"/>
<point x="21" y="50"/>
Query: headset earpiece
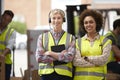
<point x="49" y="20"/>
<point x="63" y="19"/>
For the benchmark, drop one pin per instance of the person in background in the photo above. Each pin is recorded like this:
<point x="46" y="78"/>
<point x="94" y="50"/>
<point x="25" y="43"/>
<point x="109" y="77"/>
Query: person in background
<point x="55" y="50"/>
<point x="114" y="64"/>
<point x="7" y="41"/>
<point x="92" y="50"/>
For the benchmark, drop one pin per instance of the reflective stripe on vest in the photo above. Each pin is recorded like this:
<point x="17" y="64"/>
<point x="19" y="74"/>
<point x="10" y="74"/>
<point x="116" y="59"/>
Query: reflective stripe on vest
<point x="46" y="41"/>
<point x="65" y="69"/>
<point x="60" y="67"/>
<point x="45" y="66"/>
<point x="1" y="51"/>
<point x="112" y="56"/>
<point x="109" y="34"/>
<point x="4" y="40"/>
<point x="1" y="42"/>
<point x="83" y="73"/>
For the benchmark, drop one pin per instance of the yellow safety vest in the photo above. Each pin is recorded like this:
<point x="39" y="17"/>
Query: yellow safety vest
<point x="112" y="56"/>
<point x="91" y="73"/>
<point x="4" y="37"/>
<point x="47" y="68"/>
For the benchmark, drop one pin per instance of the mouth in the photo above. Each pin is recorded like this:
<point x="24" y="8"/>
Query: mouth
<point x="89" y="28"/>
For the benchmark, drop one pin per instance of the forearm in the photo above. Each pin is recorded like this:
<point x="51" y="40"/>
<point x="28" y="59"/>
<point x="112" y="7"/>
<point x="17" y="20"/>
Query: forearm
<point x="101" y="59"/>
<point x="40" y="52"/>
<point x="66" y="55"/>
<point x="6" y="51"/>
<point x="80" y="61"/>
<point x="44" y="59"/>
<point x="52" y="54"/>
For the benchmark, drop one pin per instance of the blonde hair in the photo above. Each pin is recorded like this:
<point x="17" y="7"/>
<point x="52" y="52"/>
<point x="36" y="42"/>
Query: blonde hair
<point x="54" y="11"/>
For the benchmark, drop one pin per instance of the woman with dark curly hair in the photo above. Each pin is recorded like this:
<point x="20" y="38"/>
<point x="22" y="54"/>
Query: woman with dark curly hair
<point x="92" y="50"/>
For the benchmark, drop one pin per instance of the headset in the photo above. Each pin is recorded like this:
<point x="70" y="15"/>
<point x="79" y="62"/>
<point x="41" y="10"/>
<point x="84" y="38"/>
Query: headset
<point x="59" y="11"/>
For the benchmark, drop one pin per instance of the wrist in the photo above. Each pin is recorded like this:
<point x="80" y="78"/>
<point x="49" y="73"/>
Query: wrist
<point x="2" y="55"/>
<point x="86" y="58"/>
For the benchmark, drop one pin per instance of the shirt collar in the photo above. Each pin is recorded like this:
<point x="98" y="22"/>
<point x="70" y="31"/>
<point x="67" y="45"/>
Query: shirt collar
<point x="96" y="37"/>
<point x="59" y="33"/>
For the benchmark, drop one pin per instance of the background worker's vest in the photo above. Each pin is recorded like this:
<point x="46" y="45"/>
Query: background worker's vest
<point x="4" y="37"/>
<point x="47" y="68"/>
<point x="112" y="56"/>
<point x="91" y="73"/>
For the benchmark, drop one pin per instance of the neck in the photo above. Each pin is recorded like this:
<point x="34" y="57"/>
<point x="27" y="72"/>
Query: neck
<point x="57" y="30"/>
<point x="91" y="36"/>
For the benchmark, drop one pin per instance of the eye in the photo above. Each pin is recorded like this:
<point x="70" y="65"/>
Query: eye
<point x="59" y="17"/>
<point x="91" y="22"/>
<point x="53" y="18"/>
<point x="85" y="22"/>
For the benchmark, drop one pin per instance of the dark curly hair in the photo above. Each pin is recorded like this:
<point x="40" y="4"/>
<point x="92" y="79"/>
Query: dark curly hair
<point x="97" y="16"/>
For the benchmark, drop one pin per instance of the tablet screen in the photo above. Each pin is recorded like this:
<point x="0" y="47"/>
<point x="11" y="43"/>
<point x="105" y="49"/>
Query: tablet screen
<point x="58" y="48"/>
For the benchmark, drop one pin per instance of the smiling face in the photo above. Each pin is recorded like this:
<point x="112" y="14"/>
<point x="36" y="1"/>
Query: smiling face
<point x="90" y="24"/>
<point x="56" y="21"/>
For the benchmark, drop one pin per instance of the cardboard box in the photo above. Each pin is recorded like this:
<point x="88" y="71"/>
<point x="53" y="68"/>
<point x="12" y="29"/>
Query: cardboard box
<point x="35" y="75"/>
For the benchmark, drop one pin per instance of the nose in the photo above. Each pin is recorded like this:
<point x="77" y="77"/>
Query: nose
<point x="88" y="24"/>
<point x="56" y="20"/>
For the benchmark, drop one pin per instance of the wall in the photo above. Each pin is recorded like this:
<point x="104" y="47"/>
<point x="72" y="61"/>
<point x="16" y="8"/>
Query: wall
<point x="27" y="8"/>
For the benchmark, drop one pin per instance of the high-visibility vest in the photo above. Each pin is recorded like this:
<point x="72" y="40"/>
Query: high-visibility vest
<point x="112" y="56"/>
<point x="4" y="37"/>
<point x="91" y="73"/>
<point x="47" y="68"/>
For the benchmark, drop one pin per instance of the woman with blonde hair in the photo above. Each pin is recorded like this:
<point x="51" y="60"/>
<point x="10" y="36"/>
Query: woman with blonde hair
<point x="55" y="50"/>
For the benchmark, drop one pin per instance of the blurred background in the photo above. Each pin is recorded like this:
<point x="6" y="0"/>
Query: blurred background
<point x="33" y="15"/>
